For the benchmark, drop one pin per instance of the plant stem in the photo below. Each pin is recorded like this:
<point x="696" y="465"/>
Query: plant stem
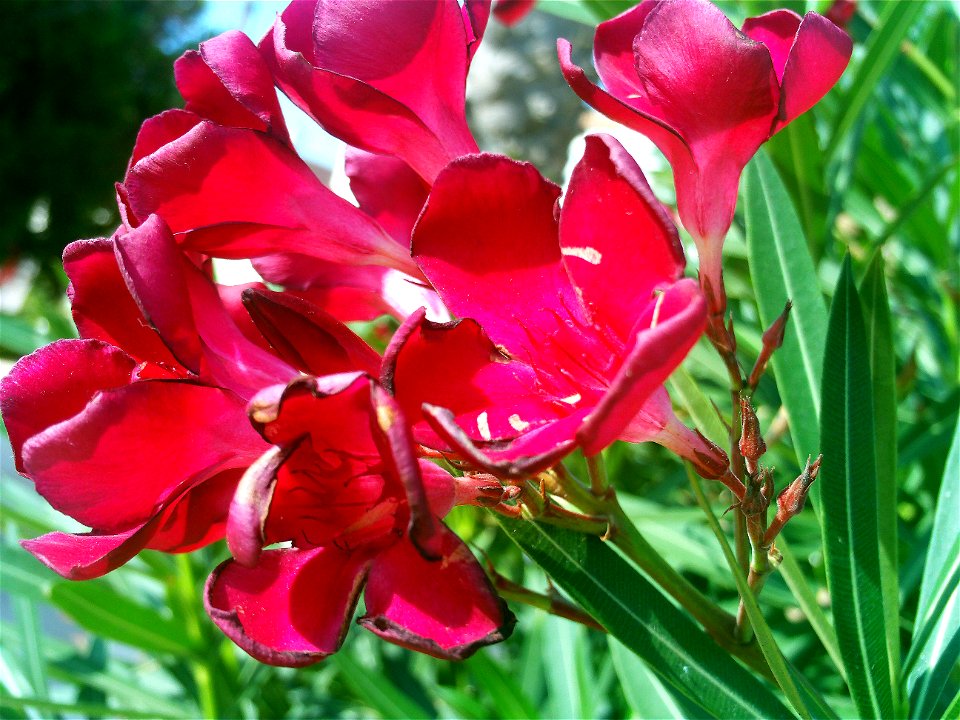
<point x="597" y="470"/>
<point x="551" y="603"/>
<point x="185" y="589"/>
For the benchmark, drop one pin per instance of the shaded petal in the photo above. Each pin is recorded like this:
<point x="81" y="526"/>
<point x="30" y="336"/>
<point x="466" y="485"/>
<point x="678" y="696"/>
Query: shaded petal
<point x="159" y="130"/>
<point x="613" y="50"/>
<point x="487" y="241"/>
<point x="777" y="30"/>
<point x="102" y="305"/>
<point x="656" y="352"/>
<point x="55" y="383"/>
<point x="445" y="608"/>
<point x="191" y="521"/>
<point x="617" y="240"/>
<point x="818" y="57"/>
<point x="238" y="193"/>
<point x="307" y="337"/>
<point x="388" y="190"/>
<point x="340" y="420"/>
<point x="293" y="608"/>
<point x="153" y="268"/>
<point x="250" y="505"/>
<point x="132" y="447"/>
<point x="396" y="450"/>
<point x="348" y="108"/>
<point x="228" y="81"/>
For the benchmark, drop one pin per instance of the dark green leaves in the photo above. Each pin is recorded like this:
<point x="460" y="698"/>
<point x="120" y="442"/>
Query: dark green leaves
<point x="636" y="613"/>
<point x="849" y="494"/>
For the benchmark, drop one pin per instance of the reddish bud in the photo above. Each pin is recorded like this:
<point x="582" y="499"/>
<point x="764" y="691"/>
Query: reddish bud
<point x="752" y="446"/>
<point x="772" y="339"/>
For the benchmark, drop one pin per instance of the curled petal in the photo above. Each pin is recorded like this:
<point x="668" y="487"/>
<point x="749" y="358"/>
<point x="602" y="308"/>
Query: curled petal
<point x="190" y="521"/>
<point x="45" y="388"/>
<point x="445" y="608"/>
<point x="250" y="505"/>
<point x="663" y="336"/>
<point x="817" y="59"/>
<point x="102" y="305"/>
<point x="229" y="82"/>
<point x="293" y="608"/>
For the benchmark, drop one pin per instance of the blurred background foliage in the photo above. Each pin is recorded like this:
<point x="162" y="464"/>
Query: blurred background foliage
<point x="872" y="169"/>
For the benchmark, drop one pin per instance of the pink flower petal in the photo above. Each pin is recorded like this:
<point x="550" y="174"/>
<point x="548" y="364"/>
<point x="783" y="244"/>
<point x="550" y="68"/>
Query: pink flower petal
<point x="529" y="453"/>
<point x="192" y="520"/>
<point x="132" y="447"/>
<point x="386" y="77"/>
<point x="487" y="240"/>
<point x="102" y="305"/>
<point x="777" y="30"/>
<point x="159" y="130"/>
<point x="238" y="193"/>
<point x="45" y="387"/>
<point x="228" y="81"/>
<point x="308" y="338"/>
<point x="663" y="336"/>
<point x="293" y="608"/>
<point x="388" y="191"/>
<point x="445" y="608"/>
<point x="818" y="57"/>
<point x="456" y="366"/>
<point x="153" y="268"/>
<point x="618" y="242"/>
<point x="397" y="452"/>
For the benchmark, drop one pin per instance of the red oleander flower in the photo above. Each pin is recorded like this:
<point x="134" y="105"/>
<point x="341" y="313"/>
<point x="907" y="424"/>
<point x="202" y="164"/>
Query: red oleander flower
<point x="344" y="488"/>
<point x="708" y="95"/>
<point x="571" y="319"/>
<point x="392" y="194"/>
<point x="387" y="77"/>
<point x="138" y="429"/>
<point x="224" y="178"/>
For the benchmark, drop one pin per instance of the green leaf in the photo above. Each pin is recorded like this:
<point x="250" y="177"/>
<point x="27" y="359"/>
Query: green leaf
<point x="782" y="270"/>
<point x="805" y="700"/>
<point x="849" y="498"/>
<point x="938" y="610"/>
<point x="102" y="611"/>
<point x="883" y="372"/>
<point x="634" y="612"/>
<point x="500" y="687"/>
<point x="376" y="689"/>
<point x="883" y="46"/>
<point x="648" y="697"/>
<point x="73" y="709"/>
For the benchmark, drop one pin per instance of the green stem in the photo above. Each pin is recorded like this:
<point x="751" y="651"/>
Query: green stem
<point x="597" y="470"/>
<point x="185" y="589"/>
<point x="625" y="535"/>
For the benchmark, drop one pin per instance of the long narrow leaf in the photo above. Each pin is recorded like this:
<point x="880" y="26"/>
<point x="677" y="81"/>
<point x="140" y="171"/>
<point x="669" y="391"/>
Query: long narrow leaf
<point x="648" y="697"/>
<point x="99" y="609"/>
<point x="882" y="48"/>
<point x="637" y="614"/>
<point x="883" y="372"/>
<point x="938" y="610"/>
<point x="782" y="270"/>
<point x="849" y="500"/>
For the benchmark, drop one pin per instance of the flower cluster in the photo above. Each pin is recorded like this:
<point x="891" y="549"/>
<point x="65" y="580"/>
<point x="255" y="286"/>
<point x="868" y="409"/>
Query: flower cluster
<point x="533" y="322"/>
